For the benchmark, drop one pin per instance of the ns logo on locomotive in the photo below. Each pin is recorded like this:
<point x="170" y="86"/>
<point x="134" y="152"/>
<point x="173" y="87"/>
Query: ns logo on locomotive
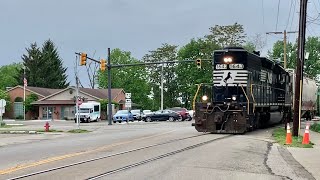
<point x="247" y="91"/>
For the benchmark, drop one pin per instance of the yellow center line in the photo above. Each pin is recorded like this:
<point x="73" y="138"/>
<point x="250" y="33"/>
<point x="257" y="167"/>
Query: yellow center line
<point x="57" y="158"/>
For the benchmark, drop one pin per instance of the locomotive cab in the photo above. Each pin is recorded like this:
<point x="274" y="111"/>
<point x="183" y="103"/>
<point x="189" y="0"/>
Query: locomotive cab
<point x="245" y="92"/>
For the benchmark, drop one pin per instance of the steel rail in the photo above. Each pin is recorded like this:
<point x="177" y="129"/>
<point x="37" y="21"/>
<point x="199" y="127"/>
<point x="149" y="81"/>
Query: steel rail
<point x="155" y="158"/>
<point x="102" y="157"/>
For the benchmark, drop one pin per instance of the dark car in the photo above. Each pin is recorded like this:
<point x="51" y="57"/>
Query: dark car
<point x="183" y="112"/>
<point x="162" y="116"/>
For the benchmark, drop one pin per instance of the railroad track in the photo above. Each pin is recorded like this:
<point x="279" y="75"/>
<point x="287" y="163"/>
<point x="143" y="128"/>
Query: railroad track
<point x="126" y="152"/>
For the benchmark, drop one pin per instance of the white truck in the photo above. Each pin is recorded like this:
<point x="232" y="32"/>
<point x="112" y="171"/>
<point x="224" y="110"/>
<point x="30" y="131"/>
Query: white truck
<point x="89" y="111"/>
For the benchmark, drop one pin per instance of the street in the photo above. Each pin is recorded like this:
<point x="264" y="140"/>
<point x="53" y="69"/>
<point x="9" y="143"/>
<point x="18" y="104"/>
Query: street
<point x="140" y="150"/>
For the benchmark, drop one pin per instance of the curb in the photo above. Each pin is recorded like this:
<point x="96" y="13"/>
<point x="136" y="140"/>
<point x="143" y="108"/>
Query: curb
<point x="19" y="132"/>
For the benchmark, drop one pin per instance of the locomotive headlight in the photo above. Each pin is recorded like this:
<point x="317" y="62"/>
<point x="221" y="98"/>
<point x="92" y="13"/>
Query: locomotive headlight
<point x="234" y="97"/>
<point x="204" y="98"/>
<point x="227" y="59"/>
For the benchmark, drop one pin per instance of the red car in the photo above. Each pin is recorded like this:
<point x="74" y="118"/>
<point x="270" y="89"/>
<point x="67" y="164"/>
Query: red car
<point x="183" y="112"/>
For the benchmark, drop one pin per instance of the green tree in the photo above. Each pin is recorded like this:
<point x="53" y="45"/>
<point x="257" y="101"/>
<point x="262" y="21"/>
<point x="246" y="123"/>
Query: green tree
<point x="29" y="99"/>
<point x="131" y="79"/>
<point x="312" y="64"/>
<point x="277" y="53"/>
<point x="9" y="74"/>
<point x="187" y="73"/>
<point x="4" y="95"/>
<point x="230" y="35"/>
<point x="43" y="67"/>
<point x="165" y="53"/>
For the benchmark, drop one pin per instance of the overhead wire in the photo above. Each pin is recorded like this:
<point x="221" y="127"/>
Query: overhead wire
<point x="278" y="15"/>
<point x="289" y="14"/>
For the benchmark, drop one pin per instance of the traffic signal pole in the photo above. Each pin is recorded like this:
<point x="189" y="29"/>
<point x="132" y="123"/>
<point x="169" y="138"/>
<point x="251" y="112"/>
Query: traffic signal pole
<point x="109" y="89"/>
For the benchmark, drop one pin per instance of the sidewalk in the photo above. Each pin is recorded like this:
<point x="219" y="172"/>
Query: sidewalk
<point x="309" y="158"/>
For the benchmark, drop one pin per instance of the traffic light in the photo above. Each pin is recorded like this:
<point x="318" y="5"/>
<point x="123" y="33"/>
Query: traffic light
<point x="198" y="62"/>
<point x="83" y="59"/>
<point x="103" y="64"/>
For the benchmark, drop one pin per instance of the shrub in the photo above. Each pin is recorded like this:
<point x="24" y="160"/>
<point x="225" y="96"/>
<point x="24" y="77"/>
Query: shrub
<point x="315" y="127"/>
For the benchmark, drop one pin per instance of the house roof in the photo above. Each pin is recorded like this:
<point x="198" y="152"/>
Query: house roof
<point x="43" y="91"/>
<point x="101" y="93"/>
<point x="37" y="90"/>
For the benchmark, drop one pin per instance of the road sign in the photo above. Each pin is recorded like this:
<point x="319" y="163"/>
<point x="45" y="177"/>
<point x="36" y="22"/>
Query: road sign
<point x="2" y="110"/>
<point x="128" y="100"/>
<point x="2" y="103"/>
<point x="128" y="95"/>
<point x="128" y="105"/>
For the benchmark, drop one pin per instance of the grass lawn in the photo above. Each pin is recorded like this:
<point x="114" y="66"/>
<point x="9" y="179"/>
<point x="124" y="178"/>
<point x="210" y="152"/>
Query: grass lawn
<point x="280" y="134"/>
<point x="78" y="131"/>
<point x="6" y="126"/>
<point x="50" y="130"/>
<point x="315" y="127"/>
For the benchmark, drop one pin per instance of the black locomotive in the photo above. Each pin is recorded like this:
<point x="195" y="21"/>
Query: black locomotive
<point x="247" y="92"/>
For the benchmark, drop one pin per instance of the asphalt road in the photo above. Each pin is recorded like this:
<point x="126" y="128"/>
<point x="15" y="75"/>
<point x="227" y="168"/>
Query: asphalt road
<point x="182" y="153"/>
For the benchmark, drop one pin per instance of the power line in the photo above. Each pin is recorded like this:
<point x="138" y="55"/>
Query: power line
<point x="262" y="13"/>
<point x="289" y="14"/>
<point x="278" y="15"/>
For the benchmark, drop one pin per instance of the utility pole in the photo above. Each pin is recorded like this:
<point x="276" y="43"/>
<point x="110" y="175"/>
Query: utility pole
<point x="77" y="95"/>
<point x="161" y="87"/>
<point x="284" y="44"/>
<point x="109" y="89"/>
<point x="299" y="70"/>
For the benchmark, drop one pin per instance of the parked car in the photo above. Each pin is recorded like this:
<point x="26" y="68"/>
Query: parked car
<point x="183" y="112"/>
<point x="145" y="113"/>
<point x="162" y="116"/>
<point x="123" y="115"/>
<point x="136" y="114"/>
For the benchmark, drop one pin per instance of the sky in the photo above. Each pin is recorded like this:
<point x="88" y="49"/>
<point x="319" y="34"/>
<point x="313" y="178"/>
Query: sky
<point x="138" y="26"/>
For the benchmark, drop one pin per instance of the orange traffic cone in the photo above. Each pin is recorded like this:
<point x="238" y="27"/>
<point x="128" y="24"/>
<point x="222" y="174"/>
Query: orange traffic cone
<point x="289" y="137"/>
<point x="306" y="135"/>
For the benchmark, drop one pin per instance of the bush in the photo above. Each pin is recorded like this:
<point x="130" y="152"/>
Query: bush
<point x="315" y="127"/>
<point x="19" y="117"/>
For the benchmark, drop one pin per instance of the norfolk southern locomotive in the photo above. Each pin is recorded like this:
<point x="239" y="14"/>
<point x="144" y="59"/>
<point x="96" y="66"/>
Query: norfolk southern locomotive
<point x="248" y="91"/>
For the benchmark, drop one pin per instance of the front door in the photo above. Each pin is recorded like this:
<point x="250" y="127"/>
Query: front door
<point x="47" y="112"/>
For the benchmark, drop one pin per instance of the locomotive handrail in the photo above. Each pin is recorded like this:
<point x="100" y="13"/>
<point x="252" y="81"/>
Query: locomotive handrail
<point x="254" y="101"/>
<point x="195" y="97"/>
<point x="248" y="101"/>
<point x="272" y="88"/>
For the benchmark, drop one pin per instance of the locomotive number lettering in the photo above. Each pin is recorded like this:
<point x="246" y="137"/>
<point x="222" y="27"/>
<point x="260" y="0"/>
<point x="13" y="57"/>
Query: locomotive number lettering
<point x="221" y="66"/>
<point x="236" y="66"/>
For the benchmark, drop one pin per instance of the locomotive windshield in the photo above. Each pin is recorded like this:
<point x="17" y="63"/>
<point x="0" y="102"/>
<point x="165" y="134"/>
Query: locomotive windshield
<point x="230" y="60"/>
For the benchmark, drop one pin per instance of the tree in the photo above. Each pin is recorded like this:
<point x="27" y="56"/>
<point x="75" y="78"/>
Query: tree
<point x="57" y="73"/>
<point x="230" y="35"/>
<point x="277" y="53"/>
<point x="131" y="79"/>
<point x="187" y="73"/>
<point x="51" y="74"/>
<point x="9" y="74"/>
<point x="312" y="64"/>
<point x="165" y="53"/>
<point x="29" y="99"/>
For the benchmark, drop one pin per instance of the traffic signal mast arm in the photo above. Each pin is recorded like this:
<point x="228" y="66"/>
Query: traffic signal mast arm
<point x="148" y="63"/>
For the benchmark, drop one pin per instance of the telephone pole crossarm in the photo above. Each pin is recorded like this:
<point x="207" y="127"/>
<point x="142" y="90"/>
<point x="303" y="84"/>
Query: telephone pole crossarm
<point x="284" y="44"/>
